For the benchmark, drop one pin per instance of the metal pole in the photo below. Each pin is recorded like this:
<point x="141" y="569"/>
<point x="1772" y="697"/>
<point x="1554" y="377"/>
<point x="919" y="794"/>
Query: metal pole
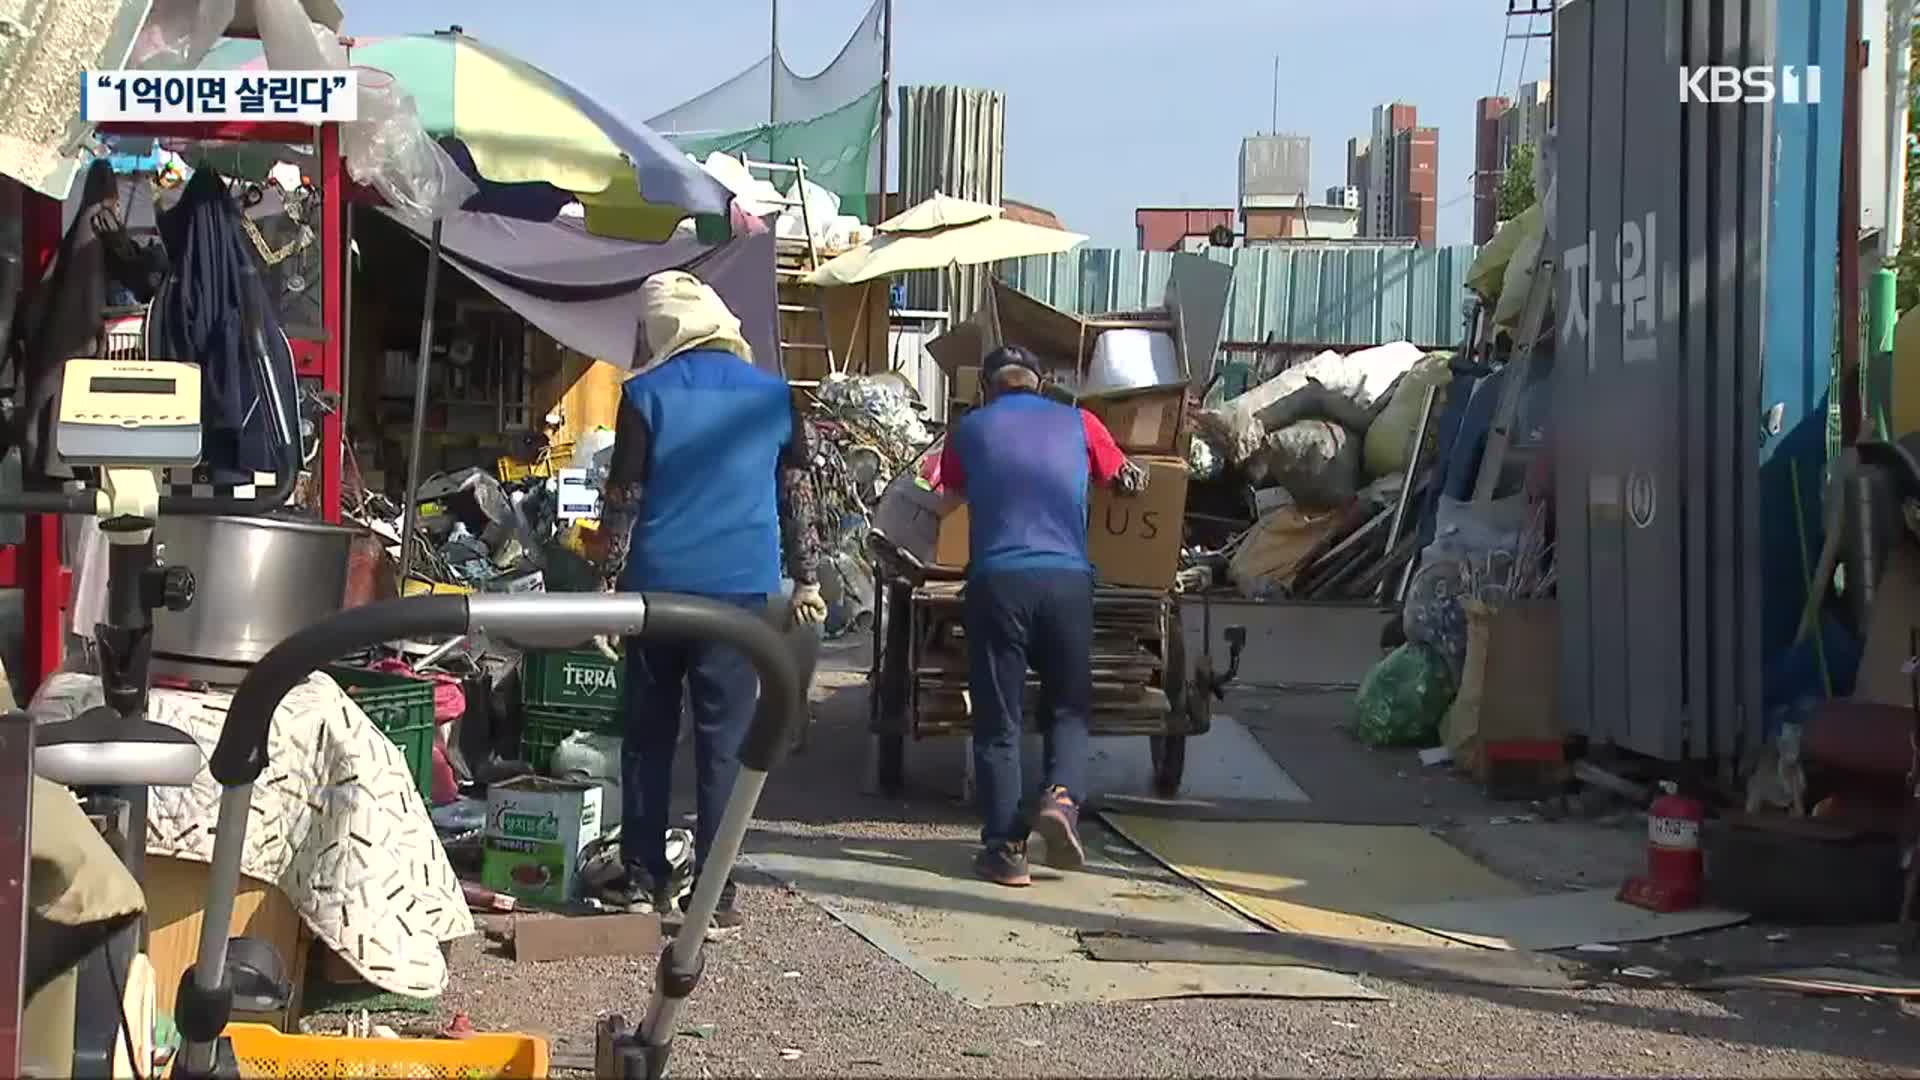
<point x="1275" y="128"/>
<point x="408" y="502"/>
<point x="1899" y="69"/>
<point x="773" y="79"/>
<point x="1407" y="482"/>
<point x="1852" y="414"/>
<point x="886" y="105"/>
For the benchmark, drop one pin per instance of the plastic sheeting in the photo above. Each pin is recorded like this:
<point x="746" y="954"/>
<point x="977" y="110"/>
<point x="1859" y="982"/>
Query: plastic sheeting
<point x="386" y="149"/>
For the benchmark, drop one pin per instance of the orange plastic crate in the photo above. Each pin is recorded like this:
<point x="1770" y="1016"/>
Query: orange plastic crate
<point x="267" y="1052"/>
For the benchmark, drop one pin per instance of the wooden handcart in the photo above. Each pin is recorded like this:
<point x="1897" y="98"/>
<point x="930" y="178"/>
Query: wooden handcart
<point x="1143" y="681"/>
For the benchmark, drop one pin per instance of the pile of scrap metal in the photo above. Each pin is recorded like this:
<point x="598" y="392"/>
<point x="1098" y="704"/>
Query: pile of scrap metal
<point x="867" y="429"/>
<point x="1304" y="477"/>
<point x="520" y="528"/>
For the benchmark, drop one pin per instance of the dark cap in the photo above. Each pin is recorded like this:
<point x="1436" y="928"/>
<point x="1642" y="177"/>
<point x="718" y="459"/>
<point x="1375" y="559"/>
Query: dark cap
<point x="1008" y="356"/>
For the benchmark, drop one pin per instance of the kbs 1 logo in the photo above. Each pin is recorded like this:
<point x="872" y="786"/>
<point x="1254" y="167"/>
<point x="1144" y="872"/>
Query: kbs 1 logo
<point x="1760" y="84"/>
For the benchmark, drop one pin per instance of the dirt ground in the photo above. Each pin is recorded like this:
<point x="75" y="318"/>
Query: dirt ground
<point x="796" y="993"/>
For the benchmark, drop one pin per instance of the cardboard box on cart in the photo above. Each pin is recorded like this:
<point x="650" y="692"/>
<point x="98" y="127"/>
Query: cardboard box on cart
<point x="1131" y="540"/>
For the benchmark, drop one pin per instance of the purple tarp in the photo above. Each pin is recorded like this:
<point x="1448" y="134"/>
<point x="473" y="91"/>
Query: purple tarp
<point x="584" y="290"/>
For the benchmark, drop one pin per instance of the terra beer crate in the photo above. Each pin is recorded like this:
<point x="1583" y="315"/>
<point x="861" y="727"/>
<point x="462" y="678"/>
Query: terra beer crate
<point x="577" y="678"/>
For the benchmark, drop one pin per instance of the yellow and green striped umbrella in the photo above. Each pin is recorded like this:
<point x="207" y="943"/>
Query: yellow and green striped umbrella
<point x="530" y="140"/>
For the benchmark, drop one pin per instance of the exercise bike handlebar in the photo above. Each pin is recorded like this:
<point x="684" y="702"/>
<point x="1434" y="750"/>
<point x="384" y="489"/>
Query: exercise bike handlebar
<point x="85" y="501"/>
<point x="557" y="620"/>
<point x="551" y="620"/>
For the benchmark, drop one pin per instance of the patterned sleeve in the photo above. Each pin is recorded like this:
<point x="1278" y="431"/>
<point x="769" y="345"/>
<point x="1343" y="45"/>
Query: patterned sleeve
<point x="799" y="504"/>
<point x="626" y="480"/>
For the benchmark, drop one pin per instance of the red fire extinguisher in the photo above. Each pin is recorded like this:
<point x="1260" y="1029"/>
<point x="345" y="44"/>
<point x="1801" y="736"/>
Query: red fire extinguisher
<point x="1676" y="872"/>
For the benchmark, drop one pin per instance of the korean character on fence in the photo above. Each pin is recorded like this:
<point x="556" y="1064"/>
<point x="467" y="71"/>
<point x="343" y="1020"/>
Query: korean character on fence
<point x="148" y="93"/>
<point x="212" y="92"/>
<point x="284" y="92"/>
<point x="252" y="95"/>
<point x="1638" y="288"/>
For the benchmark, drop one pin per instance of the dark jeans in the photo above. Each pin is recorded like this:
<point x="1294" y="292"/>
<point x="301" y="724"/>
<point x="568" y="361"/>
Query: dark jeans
<point x="1042" y="618"/>
<point x="724" y="689"/>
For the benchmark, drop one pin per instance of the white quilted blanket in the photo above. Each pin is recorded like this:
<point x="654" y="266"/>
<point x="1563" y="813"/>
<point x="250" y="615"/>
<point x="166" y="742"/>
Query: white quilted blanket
<point x="337" y="824"/>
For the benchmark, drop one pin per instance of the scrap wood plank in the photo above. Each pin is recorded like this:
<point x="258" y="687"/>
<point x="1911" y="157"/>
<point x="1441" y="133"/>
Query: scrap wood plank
<point x="1407" y="962"/>
<point x="1826" y="981"/>
<point x="1185" y="808"/>
<point x="569" y="937"/>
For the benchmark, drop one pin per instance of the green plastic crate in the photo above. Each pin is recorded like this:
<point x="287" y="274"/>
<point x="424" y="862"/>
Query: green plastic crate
<point x="545" y="729"/>
<point x="402" y="708"/>
<point x="579" y="678"/>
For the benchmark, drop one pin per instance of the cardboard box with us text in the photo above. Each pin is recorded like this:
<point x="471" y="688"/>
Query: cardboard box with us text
<point x="1131" y="540"/>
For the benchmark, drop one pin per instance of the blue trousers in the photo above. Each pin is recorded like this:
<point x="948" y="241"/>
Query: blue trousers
<point x="1016" y="619"/>
<point x="724" y="689"/>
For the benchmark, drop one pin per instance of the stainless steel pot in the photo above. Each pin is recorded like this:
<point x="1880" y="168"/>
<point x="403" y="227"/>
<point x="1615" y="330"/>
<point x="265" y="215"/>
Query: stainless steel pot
<point x="257" y="580"/>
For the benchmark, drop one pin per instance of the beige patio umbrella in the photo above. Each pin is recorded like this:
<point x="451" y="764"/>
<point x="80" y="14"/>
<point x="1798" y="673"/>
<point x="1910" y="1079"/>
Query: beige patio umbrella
<point x="941" y="232"/>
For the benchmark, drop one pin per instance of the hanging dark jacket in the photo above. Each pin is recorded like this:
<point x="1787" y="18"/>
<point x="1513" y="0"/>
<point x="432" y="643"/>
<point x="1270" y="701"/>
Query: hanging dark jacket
<point x="214" y="309"/>
<point x="64" y="320"/>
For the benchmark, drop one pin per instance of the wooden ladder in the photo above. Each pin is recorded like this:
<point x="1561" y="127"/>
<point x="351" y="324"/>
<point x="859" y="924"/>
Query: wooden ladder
<point x="795" y="260"/>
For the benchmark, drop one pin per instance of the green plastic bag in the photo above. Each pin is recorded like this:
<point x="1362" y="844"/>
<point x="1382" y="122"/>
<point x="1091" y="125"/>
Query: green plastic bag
<point x="1403" y="698"/>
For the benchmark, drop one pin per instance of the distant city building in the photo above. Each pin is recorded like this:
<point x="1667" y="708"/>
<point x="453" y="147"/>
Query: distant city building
<point x="1302" y="221"/>
<point x="1501" y="128"/>
<point x="1416" y="184"/>
<point x="1395" y="175"/>
<point x="1525" y="121"/>
<point x="1274" y="170"/>
<point x="1170" y="228"/>
<point x="1489" y="165"/>
<point x="1345" y="195"/>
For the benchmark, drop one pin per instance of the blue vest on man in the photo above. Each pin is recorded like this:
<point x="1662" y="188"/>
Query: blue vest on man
<point x="709" y="519"/>
<point x="1025" y="462"/>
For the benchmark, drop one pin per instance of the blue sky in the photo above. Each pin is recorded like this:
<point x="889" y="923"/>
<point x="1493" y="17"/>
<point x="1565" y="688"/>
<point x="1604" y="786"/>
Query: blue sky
<point x="1111" y="104"/>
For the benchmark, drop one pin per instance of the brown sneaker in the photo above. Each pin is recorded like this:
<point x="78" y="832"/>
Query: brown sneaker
<point x="1058" y="823"/>
<point x="1003" y="864"/>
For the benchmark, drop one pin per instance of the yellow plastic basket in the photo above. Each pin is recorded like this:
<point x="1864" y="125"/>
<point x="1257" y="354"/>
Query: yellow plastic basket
<point x="266" y="1052"/>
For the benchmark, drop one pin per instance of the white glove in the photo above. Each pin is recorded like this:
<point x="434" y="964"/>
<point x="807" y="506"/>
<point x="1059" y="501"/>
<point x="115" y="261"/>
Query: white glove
<point x="809" y="607"/>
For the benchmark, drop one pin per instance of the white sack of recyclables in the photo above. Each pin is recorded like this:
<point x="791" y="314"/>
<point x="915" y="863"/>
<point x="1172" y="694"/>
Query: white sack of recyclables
<point x="1363" y="376"/>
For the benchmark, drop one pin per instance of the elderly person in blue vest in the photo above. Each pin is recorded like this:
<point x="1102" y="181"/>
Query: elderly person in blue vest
<point x="707" y="493"/>
<point x="1025" y="463"/>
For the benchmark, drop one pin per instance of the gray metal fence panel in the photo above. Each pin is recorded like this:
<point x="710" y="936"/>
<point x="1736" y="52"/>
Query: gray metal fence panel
<point x="1573" y="355"/>
<point x="1356" y="294"/>
<point x="1744" y="718"/>
<point x="1661" y="226"/>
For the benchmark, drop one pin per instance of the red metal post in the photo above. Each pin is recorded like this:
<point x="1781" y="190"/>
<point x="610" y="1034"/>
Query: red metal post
<point x="333" y="250"/>
<point x="37" y="569"/>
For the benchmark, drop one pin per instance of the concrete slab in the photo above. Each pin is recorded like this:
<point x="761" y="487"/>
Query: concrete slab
<point x="1225" y="763"/>
<point x="987" y="945"/>
<point x="1290" y="645"/>
<point x="1555" y="921"/>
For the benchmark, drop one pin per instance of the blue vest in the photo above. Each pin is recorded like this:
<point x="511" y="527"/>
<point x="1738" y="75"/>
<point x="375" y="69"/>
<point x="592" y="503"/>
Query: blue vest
<point x="1027" y="474"/>
<point x="709" y="519"/>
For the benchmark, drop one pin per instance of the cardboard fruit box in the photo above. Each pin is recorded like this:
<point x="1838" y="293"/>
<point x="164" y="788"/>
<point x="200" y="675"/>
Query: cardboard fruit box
<point x="536" y="828"/>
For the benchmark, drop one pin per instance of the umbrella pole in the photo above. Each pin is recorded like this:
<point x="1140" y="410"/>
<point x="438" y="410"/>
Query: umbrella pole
<point x="409" y="504"/>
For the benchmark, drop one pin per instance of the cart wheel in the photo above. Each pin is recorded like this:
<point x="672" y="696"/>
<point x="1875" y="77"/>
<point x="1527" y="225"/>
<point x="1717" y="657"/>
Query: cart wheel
<point x="1169" y="763"/>
<point x="890" y="764"/>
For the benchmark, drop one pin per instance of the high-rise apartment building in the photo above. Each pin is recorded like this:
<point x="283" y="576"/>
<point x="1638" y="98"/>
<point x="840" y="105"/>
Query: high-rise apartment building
<point x="1489" y="166"/>
<point x="1416" y="184"/>
<point x="1395" y="172"/>
<point x="1502" y="127"/>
